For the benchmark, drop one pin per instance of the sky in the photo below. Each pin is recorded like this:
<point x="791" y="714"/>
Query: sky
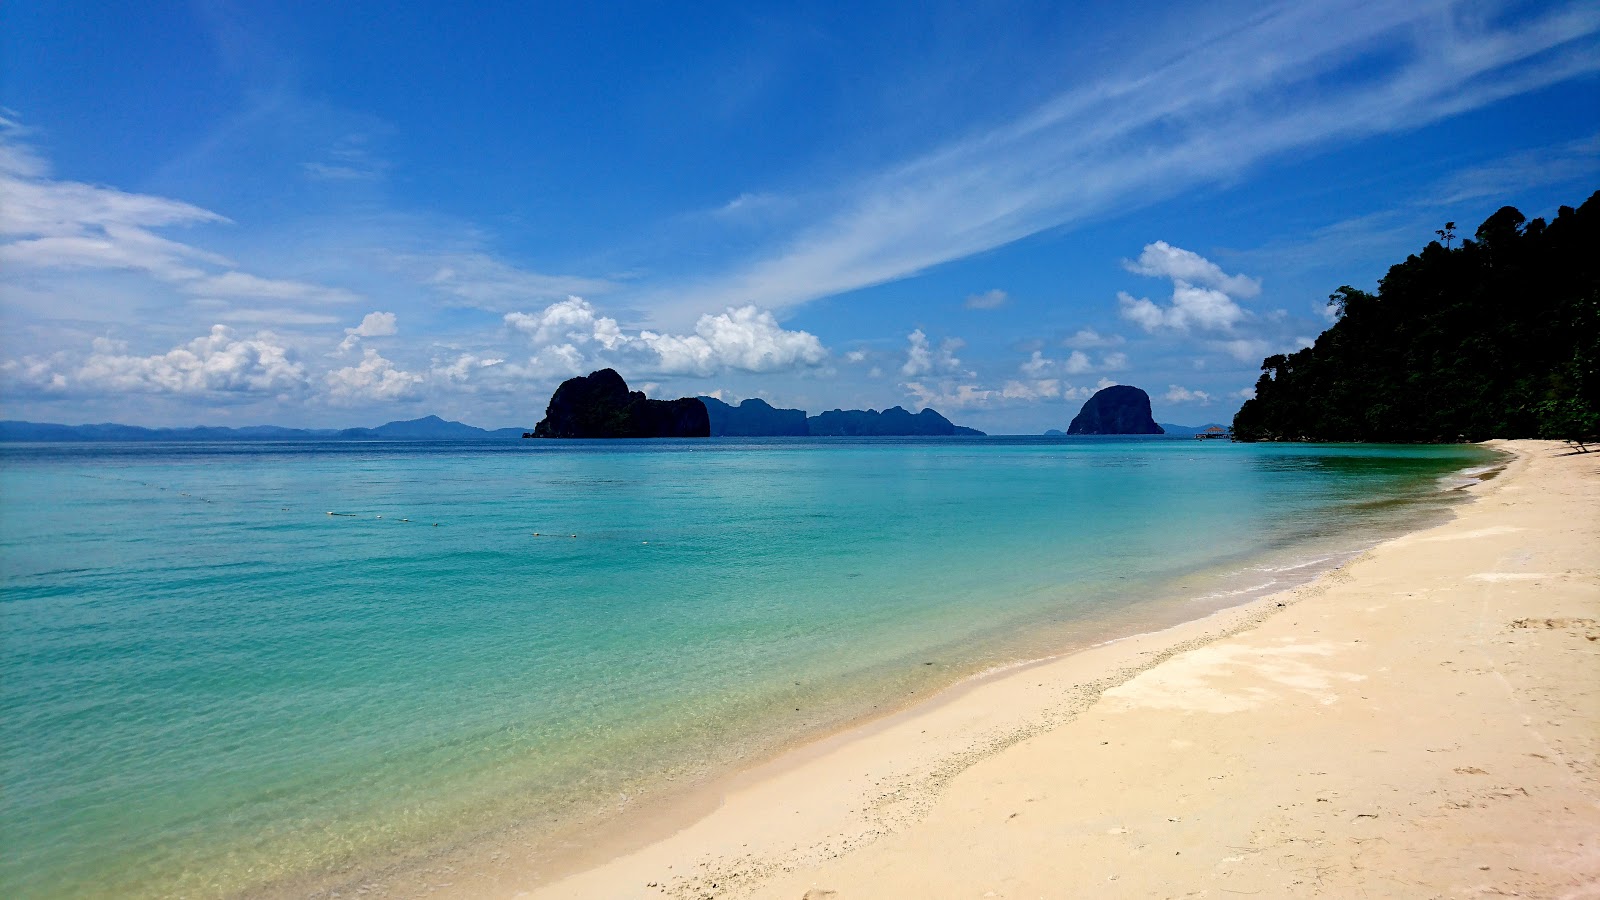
<point x="338" y="214"/>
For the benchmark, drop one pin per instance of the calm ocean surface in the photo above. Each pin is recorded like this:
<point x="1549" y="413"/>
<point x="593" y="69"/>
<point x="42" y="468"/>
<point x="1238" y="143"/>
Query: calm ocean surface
<point x="210" y="686"/>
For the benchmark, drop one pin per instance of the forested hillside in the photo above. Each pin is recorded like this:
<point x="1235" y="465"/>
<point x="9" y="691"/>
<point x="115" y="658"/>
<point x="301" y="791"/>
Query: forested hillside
<point x="1497" y="336"/>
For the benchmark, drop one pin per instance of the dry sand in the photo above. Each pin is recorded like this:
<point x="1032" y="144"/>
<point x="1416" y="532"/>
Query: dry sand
<point x="1423" y="722"/>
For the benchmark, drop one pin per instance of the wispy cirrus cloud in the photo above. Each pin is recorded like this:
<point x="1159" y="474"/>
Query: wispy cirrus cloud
<point x="1294" y="77"/>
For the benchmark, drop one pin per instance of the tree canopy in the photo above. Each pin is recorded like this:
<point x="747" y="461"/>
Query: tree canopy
<point x="1498" y="337"/>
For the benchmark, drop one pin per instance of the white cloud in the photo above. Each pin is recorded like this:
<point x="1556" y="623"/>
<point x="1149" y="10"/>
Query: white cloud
<point x="1162" y="260"/>
<point x="1114" y="362"/>
<point x="856" y="356"/>
<point x="1037" y="365"/>
<point x="956" y="393"/>
<point x="1178" y="394"/>
<point x="1317" y="74"/>
<point x="1573" y="161"/>
<point x="372" y="379"/>
<point x="40" y="373"/>
<point x="373" y="324"/>
<point x="478" y="279"/>
<point x="462" y="367"/>
<point x="991" y="299"/>
<point x="571" y="335"/>
<point x="949" y="396"/>
<point x="1104" y="383"/>
<point x="573" y="320"/>
<point x="1078" y="363"/>
<point x="55" y="224"/>
<point x="1192" y="307"/>
<point x="922" y="358"/>
<point x="215" y="363"/>
<point x="1200" y="292"/>
<point x="1089" y="339"/>
<point x="242" y="285"/>
<point x="1248" y="393"/>
<point x="1246" y="350"/>
<point x="743" y="338"/>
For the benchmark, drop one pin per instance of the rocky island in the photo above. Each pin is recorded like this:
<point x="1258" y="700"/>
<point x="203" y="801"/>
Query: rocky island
<point x="1119" y="409"/>
<point x="892" y="422"/>
<point x="599" y="405"/>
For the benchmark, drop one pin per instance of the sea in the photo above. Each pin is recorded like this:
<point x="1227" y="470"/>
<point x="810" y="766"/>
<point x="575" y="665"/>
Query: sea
<point x="264" y="668"/>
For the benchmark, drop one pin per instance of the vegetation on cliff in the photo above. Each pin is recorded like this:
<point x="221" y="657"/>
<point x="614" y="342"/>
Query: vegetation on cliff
<point x="1497" y="337"/>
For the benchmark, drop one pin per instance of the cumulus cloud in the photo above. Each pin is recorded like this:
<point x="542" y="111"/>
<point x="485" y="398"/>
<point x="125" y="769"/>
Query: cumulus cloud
<point x="1076" y="363"/>
<point x="1202" y="294"/>
<point x="743" y="338"/>
<point x="216" y="363"/>
<point x="1192" y="307"/>
<point x="949" y="396"/>
<point x="372" y="379"/>
<point x="571" y="334"/>
<point x="957" y="393"/>
<point x="1162" y="260"/>
<point x="1248" y="393"/>
<point x="990" y="299"/>
<point x="570" y="321"/>
<point x="39" y="373"/>
<point x="1037" y="365"/>
<point x="1245" y="349"/>
<point x="462" y="367"/>
<point x="923" y="358"/>
<point x="1178" y="394"/>
<point x="855" y="356"/>
<point x="373" y="324"/>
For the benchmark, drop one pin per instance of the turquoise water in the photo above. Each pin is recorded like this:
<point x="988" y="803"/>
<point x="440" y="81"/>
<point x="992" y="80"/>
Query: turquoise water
<point x="210" y="686"/>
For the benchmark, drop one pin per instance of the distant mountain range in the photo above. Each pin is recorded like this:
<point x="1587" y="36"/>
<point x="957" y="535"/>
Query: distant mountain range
<point x="757" y="418"/>
<point x="433" y="428"/>
<point x="428" y="428"/>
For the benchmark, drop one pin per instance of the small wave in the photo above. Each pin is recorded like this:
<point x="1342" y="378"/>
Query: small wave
<point x="1464" y="478"/>
<point x="1291" y="568"/>
<point x="1218" y="595"/>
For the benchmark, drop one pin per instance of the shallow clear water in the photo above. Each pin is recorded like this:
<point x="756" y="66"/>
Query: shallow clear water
<point x="211" y="686"/>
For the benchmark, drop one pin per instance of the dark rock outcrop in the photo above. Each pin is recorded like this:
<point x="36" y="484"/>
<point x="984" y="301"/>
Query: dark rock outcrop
<point x="754" y="418"/>
<point x="599" y="405"/>
<point x="892" y="422"/>
<point x="1119" y="409"/>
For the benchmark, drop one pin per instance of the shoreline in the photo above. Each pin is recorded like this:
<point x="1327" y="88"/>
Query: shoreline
<point x="868" y="785"/>
<point x="530" y="857"/>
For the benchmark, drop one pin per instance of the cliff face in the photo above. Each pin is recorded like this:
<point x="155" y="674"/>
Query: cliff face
<point x="599" y="405"/>
<point x="754" y="418"/>
<point x="1119" y="409"/>
<point x="892" y="422"/>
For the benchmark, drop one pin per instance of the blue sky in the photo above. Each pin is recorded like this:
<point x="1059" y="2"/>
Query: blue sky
<point x="338" y="214"/>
